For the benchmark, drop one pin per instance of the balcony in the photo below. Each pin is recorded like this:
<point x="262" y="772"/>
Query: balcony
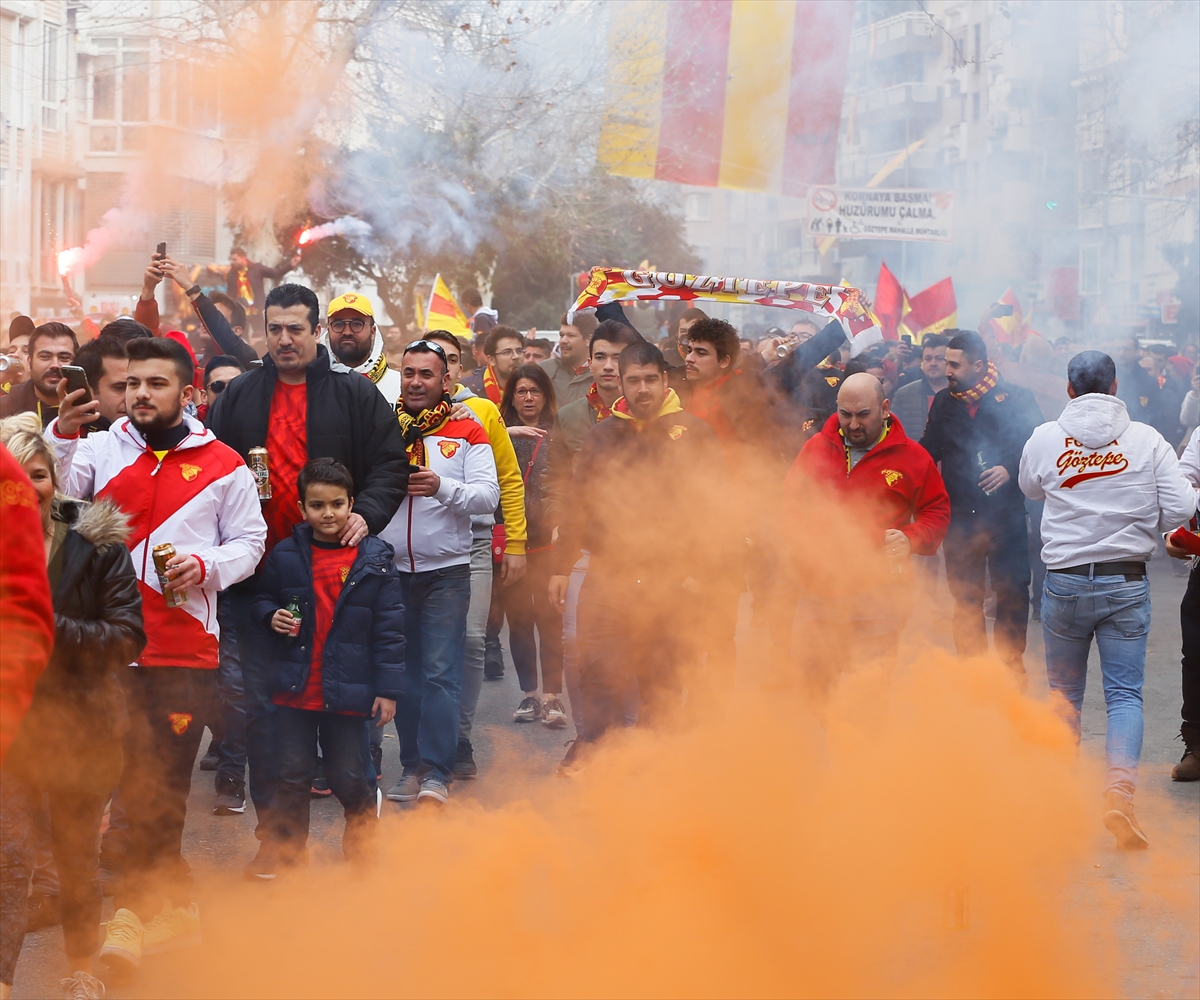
<point x="919" y="101"/>
<point x="893" y="36"/>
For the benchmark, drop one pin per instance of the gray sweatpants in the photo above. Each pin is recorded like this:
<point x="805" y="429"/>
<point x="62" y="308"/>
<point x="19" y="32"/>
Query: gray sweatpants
<point x="477" y="616"/>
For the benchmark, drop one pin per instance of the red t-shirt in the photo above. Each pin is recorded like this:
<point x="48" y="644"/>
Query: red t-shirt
<point x="330" y="566"/>
<point x="287" y="451"/>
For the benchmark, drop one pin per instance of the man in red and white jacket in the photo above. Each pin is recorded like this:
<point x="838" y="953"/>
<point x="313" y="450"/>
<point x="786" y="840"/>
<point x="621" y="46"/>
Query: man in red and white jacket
<point x="454" y="477"/>
<point x="182" y="486"/>
<point x="863" y="465"/>
<point x="1111" y="484"/>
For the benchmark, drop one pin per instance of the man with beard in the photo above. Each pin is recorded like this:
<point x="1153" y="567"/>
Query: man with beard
<point x="977" y="427"/>
<point x="911" y="402"/>
<point x="357" y="344"/>
<point x="454" y="478"/>
<point x="51" y="346"/>
<point x="298" y="408"/>
<point x="180" y="486"/>
<point x="651" y="456"/>
<point x="107" y="368"/>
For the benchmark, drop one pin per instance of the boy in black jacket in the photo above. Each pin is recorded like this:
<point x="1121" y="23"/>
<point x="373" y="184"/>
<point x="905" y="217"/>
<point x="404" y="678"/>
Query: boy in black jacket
<point x="336" y="659"/>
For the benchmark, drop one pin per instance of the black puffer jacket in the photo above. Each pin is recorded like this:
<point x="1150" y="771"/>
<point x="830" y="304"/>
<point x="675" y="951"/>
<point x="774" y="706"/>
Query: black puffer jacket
<point x="348" y="420"/>
<point x="70" y="737"/>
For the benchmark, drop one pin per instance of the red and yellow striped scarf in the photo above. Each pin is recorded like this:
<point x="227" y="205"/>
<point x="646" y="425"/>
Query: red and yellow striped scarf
<point x="980" y="388"/>
<point x="414" y="428"/>
<point x="491" y="386"/>
<point x="597" y="404"/>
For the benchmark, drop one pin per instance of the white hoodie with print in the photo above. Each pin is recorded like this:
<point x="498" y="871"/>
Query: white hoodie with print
<point x="1110" y="484"/>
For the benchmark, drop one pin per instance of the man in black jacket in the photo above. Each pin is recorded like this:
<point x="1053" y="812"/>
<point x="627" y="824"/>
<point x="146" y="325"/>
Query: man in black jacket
<point x="299" y="409"/>
<point x="648" y="457"/>
<point x="977" y="429"/>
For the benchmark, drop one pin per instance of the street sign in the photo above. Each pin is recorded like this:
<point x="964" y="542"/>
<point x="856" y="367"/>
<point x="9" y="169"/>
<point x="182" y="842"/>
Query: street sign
<point x="881" y="214"/>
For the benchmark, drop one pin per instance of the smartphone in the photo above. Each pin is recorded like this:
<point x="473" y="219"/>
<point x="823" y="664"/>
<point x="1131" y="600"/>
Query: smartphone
<point x="77" y="379"/>
<point x="906" y="338"/>
<point x="161" y="251"/>
<point x="1002" y="309"/>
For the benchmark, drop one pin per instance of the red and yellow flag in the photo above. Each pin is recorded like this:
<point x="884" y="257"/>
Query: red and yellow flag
<point x="444" y="313"/>
<point x="891" y="303"/>
<point x="1010" y="329"/>
<point x="931" y="311"/>
<point x="743" y="94"/>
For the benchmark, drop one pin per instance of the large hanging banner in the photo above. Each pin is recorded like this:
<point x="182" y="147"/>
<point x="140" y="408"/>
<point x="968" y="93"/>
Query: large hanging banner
<point x="614" y="284"/>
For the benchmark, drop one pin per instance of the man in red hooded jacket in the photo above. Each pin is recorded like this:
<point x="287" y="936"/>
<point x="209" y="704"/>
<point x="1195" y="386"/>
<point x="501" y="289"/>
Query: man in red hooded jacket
<point x="862" y="464"/>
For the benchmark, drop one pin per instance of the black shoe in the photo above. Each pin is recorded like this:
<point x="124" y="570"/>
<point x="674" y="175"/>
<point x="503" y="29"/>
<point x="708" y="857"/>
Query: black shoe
<point x="493" y="660"/>
<point x="211" y="758"/>
<point x="377" y="759"/>
<point x="231" y="797"/>
<point x="464" y="761"/>
<point x="320" y="787"/>
<point x="41" y="910"/>
<point x="572" y="764"/>
<point x="265" y="865"/>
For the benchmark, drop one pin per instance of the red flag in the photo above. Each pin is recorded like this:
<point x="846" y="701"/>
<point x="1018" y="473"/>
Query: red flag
<point x="889" y="303"/>
<point x="1010" y="329"/>
<point x="932" y="310"/>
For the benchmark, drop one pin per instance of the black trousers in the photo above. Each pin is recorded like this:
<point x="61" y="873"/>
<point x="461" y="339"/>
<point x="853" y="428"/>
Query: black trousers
<point x="1189" y="616"/>
<point x="995" y="546"/>
<point x="624" y="633"/>
<point x="167" y="708"/>
<point x="527" y="605"/>
<point x="341" y="738"/>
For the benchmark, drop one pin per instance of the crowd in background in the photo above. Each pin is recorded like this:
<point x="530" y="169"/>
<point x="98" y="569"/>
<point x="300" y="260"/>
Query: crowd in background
<point x="264" y="519"/>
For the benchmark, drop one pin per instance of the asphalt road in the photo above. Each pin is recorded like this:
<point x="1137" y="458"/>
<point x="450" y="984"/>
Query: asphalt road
<point x="1161" y="948"/>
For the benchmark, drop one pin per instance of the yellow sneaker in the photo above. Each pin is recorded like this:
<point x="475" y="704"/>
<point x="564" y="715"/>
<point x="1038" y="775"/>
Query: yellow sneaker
<point x="122" y="948"/>
<point x="175" y="927"/>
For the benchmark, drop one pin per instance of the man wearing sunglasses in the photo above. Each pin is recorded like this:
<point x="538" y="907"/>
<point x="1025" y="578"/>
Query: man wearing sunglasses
<point x="357" y="345"/>
<point x="219" y="371"/>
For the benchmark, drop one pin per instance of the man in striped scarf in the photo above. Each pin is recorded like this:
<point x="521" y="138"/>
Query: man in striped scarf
<point x="977" y="428"/>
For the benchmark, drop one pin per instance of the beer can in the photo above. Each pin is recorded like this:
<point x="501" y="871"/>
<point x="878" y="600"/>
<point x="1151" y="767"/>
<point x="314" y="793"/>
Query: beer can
<point x="262" y="471"/>
<point x="162" y="555"/>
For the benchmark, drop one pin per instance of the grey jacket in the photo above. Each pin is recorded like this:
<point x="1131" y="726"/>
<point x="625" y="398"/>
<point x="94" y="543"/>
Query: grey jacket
<point x="568" y="386"/>
<point x="910" y="404"/>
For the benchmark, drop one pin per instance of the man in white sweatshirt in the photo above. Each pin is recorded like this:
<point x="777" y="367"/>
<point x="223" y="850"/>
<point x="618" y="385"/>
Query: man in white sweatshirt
<point x="1110" y="485"/>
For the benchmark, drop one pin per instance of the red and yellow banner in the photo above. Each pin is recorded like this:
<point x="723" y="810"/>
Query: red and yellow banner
<point x="743" y="94"/>
<point x="444" y="312"/>
<point x="614" y="284"/>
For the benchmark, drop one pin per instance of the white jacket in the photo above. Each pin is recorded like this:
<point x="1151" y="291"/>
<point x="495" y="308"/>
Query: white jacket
<point x="1189" y="461"/>
<point x="1110" y="484"/>
<point x="435" y="532"/>
<point x="200" y="498"/>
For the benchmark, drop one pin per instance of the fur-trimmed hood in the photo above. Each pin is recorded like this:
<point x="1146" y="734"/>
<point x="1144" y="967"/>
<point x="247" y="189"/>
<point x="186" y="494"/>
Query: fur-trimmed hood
<point x="102" y="523"/>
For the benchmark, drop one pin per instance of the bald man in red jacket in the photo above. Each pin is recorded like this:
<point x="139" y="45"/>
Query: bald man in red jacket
<point x="864" y="469"/>
<point x="26" y="613"/>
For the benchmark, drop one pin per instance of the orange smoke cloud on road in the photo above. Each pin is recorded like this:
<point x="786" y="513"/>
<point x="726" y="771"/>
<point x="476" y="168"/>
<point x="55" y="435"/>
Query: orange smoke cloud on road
<point x="923" y="840"/>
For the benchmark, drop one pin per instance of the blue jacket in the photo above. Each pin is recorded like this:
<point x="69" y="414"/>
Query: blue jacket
<point x="364" y="650"/>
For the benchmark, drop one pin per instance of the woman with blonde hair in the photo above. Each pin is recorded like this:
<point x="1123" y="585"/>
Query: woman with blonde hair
<point x="69" y="743"/>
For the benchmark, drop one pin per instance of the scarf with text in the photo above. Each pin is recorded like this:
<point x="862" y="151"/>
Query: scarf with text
<point x="597" y="404"/>
<point x="981" y="388"/>
<point x="414" y="428"/>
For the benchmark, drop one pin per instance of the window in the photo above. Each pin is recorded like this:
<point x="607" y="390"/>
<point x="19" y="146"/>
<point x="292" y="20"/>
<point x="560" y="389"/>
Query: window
<point x="1089" y="270"/>
<point x="698" y="208"/>
<point x="978" y="46"/>
<point x="975" y="106"/>
<point x="120" y="93"/>
<point x="51" y="76"/>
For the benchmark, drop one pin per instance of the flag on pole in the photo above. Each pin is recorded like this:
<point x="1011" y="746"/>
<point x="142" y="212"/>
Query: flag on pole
<point x="419" y="313"/>
<point x="743" y="94"/>
<point x="931" y="311"/>
<point x="891" y="303"/>
<point x="444" y="313"/>
<point x="1010" y="329"/>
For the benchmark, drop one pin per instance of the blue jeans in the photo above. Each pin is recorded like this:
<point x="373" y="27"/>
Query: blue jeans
<point x="1117" y="612"/>
<point x="435" y="628"/>
<point x="232" y="696"/>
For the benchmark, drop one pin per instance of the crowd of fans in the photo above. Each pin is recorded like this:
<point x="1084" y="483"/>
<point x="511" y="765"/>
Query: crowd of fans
<point x="263" y="527"/>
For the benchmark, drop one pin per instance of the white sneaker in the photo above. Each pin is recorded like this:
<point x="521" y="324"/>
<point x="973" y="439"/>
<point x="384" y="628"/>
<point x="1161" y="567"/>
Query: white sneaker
<point x="554" y="715"/>
<point x="81" y="985"/>
<point x="122" y="948"/>
<point x="175" y="927"/>
<point x="530" y="710"/>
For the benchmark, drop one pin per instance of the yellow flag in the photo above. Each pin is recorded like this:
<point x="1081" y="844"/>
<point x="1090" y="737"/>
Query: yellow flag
<point x="444" y="313"/>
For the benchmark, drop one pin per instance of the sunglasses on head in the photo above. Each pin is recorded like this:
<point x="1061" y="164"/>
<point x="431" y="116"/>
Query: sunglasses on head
<point x="428" y="345"/>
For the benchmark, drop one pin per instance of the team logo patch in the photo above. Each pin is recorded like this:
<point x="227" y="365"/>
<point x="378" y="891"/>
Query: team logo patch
<point x="832" y="380"/>
<point x="179" y="722"/>
<point x="892" y="477"/>
<point x="1144" y="400"/>
<point x="448" y="448"/>
<point x="189" y="472"/>
<point x="349" y="298"/>
<point x="1001" y="397"/>
<point x="345" y="571"/>
<point x="676" y="432"/>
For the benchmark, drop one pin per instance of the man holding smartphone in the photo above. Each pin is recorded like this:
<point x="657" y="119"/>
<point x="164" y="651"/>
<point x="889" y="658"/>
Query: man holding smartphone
<point x="51" y="346"/>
